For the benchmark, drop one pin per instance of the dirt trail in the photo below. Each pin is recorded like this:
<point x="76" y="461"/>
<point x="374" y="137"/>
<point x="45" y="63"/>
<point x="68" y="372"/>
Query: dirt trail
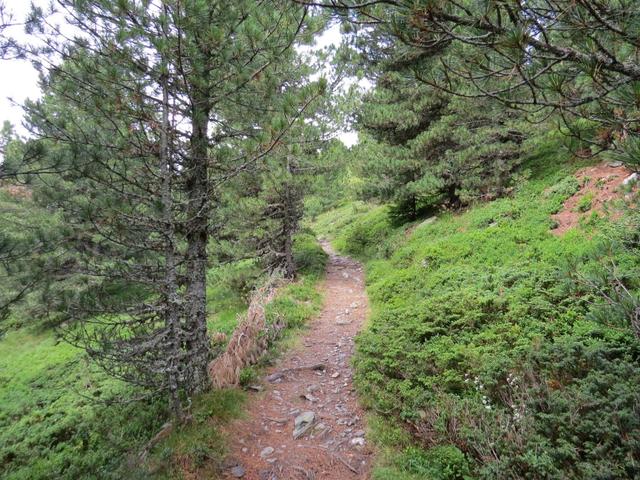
<point x="334" y="446"/>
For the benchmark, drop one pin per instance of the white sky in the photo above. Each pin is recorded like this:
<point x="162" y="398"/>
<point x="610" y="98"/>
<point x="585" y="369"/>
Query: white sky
<point x="19" y="80"/>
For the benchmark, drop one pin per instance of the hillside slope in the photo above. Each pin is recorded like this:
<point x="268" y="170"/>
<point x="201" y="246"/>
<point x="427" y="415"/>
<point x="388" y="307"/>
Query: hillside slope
<point x="484" y="358"/>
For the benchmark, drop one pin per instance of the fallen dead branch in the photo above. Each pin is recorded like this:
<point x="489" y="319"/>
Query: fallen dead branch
<point x="164" y="432"/>
<point x="275" y="376"/>
<point x="280" y="421"/>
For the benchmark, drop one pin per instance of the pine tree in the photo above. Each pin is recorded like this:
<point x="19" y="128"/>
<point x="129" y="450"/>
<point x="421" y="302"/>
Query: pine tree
<point x="272" y="191"/>
<point x="7" y="44"/>
<point x="152" y="110"/>
<point x="425" y="148"/>
<point x="576" y="59"/>
<point x="280" y="202"/>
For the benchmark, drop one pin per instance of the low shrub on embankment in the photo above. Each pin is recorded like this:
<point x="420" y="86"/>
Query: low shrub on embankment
<point x="485" y="349"/>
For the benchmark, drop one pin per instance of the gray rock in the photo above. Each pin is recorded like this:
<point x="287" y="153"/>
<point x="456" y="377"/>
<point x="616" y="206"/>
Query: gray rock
<point x="303" y="423"/>
<point x="357" y="441"/>
<point x="275" y="376"/>
<point x="428" y="221"/>
<point x="238" y="471"/>
<point x="266" y="451"/>
<point x="631" y="178"/>
<point x="615" y="164"/>
<point x="309" y="397"/>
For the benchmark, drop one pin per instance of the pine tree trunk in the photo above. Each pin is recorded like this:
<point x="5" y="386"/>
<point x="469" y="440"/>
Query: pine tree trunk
<point x="290" y="267"/>
<point x="196" y="256"/>
<point x="290" y="224"/>
<point x="170" y="287"/>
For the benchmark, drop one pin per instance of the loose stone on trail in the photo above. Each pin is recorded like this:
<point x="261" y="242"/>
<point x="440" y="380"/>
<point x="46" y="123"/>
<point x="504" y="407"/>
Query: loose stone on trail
<point x="302" y="423"/>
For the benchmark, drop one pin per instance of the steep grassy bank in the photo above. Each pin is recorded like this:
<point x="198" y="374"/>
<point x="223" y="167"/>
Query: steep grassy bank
<point x="61" y="418"/>
<point x="490" y="363"/>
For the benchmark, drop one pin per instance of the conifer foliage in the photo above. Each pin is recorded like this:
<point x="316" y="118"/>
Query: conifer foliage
<point x="149" y="113"/>
<point x="573" y="58"/>
<point x="427" y="148"/>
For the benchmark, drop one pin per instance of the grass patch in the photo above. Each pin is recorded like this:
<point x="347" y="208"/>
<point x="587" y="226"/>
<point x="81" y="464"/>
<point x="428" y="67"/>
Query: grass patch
<point x="59" y="418"/>
<point x="198" y="447"/>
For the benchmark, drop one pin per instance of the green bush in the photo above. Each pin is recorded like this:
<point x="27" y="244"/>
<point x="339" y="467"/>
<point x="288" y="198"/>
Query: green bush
<point x="366" y="234"/>
<point x="585" y="202"/>
<point x="444" y="462"/>
<point x="561" y="191"/>
<point x="248" y="376"/>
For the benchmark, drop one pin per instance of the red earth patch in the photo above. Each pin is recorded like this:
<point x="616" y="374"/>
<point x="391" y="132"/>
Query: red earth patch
<point x="602" y="182"/>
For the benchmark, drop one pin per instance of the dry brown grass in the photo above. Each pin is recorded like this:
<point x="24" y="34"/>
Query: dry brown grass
<point x="249" y="341"/>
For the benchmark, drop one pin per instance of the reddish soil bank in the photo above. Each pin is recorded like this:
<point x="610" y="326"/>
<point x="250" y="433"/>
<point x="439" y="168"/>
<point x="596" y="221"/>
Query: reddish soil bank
<point x="603" y="182"/>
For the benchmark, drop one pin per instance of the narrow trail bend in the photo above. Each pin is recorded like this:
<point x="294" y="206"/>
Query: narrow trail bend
<point x="334" y="444"/>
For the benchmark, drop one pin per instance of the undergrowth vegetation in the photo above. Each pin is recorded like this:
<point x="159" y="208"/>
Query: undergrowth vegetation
<point x="482" y="345"/>
<point x="62" y="418"/>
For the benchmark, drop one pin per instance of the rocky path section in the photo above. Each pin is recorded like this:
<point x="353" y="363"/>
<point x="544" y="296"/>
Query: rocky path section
<point x="306" y="424"/>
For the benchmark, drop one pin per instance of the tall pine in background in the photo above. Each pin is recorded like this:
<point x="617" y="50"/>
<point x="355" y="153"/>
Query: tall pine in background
<point x="424" y="148"/>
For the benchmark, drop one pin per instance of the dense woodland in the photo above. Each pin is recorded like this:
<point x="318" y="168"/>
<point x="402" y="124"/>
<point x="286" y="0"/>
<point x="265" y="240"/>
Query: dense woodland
<point x="186" y="153"/>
